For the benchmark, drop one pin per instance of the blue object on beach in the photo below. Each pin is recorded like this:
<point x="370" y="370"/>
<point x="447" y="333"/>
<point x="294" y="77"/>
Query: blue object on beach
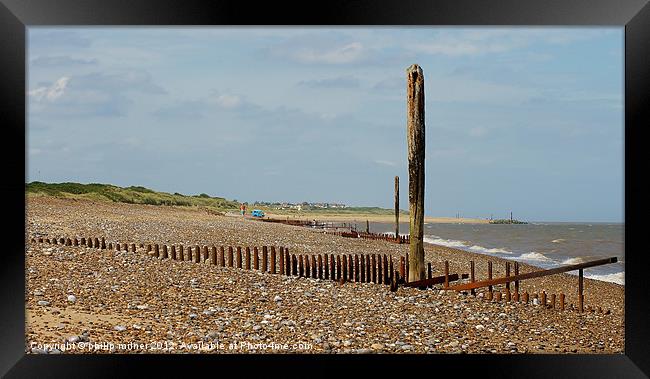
<point x="257" y="213"/>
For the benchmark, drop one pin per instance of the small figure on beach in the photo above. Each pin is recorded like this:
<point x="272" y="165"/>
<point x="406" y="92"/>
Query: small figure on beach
<point x="242" y="208"/>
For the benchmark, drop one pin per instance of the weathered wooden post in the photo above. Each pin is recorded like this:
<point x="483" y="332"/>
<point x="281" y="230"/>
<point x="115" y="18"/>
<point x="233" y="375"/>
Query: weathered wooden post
<point x="213" y="256"/>
<point x="344" y="275"/>
<point x="471" y="275"/>
<point x="362" y="268"/>
<point x="368" y="266"/>
<point x="197" y="254"/>
<point x="561" y="301"/>
<point x="580" y="295"/>
<point x="265" y="258"/>
<point x="553" y="301"/>
<point x="406" y="270"/>
<point x="173" y="253"/>
<point x="301" y="268"/>
<point x="446" y="274"/>
<point x="416" y="145"/>
<point x="397" y="209"/>
<point x="385" y="269"/>
<point x="507" y="275"/>
<point x="367" y="227"/>
<point x="256" y="258"/>
<point x="489" y="295"/>
<point x="374" y="268"/>
<point x="525" y="297"/>
<point x="516" y="282"/>
<point x="401" y="267"/>
<point x="320" y="266"/>
<point x="222" y="260"/>
<point x="338" y="267"/>
<point x="281" y="260"/>
<point x="327" y="267"/>
<point x="230" y="256"/>
<point x="272" y="270"/>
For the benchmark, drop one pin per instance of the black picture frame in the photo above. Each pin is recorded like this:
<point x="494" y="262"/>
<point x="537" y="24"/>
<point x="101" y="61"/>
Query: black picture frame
<point x="17" y="15"/>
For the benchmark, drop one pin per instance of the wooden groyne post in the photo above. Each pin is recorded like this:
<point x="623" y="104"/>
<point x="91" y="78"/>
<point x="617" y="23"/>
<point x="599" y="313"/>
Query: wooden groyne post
<point x="415" y="138"/>
<point x="397" y="209"/>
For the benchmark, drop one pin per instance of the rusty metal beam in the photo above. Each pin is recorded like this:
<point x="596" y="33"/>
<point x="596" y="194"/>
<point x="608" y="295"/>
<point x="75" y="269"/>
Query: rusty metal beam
<point x="435" y="280"/>
<point x="534" y="274"/>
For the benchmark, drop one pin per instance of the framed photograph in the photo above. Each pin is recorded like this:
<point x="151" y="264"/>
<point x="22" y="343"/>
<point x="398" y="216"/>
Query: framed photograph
<point x="439" y="186"/>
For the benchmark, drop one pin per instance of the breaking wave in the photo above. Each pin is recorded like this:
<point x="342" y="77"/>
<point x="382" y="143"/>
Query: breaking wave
<point x="573" y="261"/>
<point x="445" y="242"/>
<point x="496" y="250"/>
<point x="618" y="277"/>
<point x="534" y="256"/>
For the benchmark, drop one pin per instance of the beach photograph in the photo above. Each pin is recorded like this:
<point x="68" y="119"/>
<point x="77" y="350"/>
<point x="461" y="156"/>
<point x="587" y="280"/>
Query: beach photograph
<point x="325" y="190"/>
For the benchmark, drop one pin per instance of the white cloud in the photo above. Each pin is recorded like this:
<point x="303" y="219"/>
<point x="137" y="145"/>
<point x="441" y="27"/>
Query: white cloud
<point x="459" y="89"/>
<point x="329" y="48"/>
<point x="348" y="53"/>
<point x="52" y="92"/>
<point x="385" y="163"/>
<point x="497" y="40"/>
<point x="228" y="101"/>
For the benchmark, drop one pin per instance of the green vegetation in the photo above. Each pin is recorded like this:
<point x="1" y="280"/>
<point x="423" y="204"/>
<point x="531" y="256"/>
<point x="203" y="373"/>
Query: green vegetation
<point x="131" y="195"/>
<point x="507" y="221"/>
<point x="214" y="205"/>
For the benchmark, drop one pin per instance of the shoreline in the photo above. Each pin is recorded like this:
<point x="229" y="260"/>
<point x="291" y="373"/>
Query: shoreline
<point x="361" y="218"/>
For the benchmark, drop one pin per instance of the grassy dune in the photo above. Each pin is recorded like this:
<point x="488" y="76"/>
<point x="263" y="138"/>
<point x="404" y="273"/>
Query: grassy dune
<point x="131" y="195"/>
<point x="142" y="195"/>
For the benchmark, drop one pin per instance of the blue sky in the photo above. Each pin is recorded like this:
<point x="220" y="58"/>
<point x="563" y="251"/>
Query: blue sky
<point x="528" y="120"/>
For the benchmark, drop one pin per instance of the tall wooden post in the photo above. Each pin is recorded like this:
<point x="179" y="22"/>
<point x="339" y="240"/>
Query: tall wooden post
<point x="580" y="295"/>
<point x="397" y="208"/>
<point x="415" y="139"/>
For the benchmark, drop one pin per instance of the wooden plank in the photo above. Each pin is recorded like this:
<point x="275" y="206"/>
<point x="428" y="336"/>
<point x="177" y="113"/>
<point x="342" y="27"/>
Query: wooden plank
<point x="534" y="274"/>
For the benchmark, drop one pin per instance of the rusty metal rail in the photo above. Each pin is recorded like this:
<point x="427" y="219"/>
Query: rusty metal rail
<point x="436" y="280"/>
<point x="360" y="268"/>
<point x="534" y="274"/>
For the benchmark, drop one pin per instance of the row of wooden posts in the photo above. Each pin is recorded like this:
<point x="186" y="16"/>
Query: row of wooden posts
<point x="510" y="296"/>
<point x="363" y="268"/>
<point x="372" y="236"/>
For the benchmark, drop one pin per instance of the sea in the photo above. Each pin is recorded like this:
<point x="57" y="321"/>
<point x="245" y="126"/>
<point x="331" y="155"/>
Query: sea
<point x="540" y="244"/>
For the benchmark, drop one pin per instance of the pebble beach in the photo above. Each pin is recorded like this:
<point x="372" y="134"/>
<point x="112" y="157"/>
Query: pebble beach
<point x="84" y="300"/>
